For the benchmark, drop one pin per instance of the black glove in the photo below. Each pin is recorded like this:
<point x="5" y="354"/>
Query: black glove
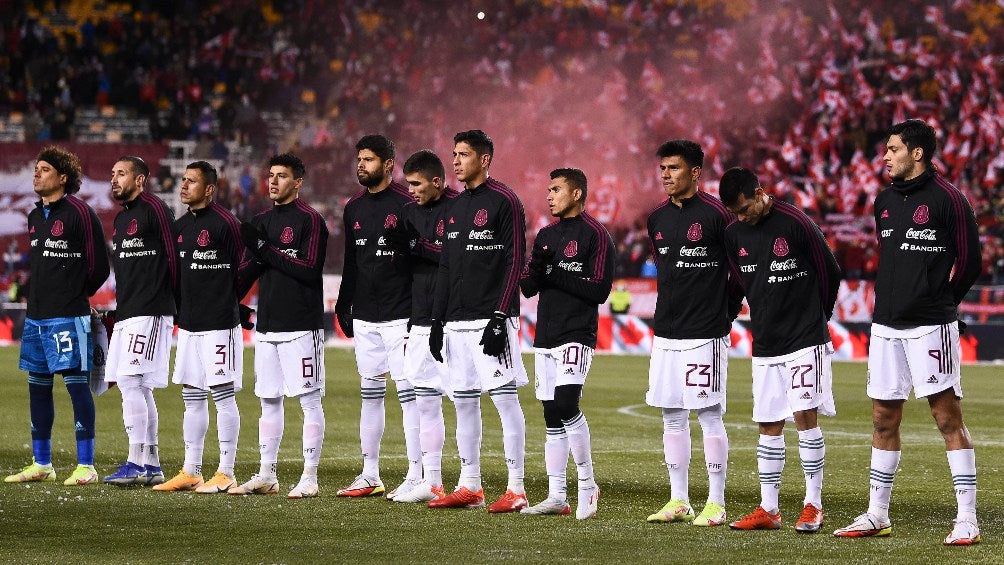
<point x="436" y="341"/>
<point x="495" y="337"/>
<point x="253" y="239"/>
<point x="540" y="263"/>
<point x="398" y="238"/>
<point x="245" y="313"/>
<point x="962" y="327"/>
<point x="344" y="316"/>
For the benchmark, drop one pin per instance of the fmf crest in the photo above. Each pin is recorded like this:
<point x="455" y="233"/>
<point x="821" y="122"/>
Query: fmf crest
<point x="440" y="228"/>
<point x="57" y="228"/>
<point x="287" y="235"/>
<point x="780" y="247"/>
<point x="921" y="215"/>
<point x="203" y="239"/>
<point x="390" y="221"/>
<point x="694" y="233"/>
<point x="571" y="249"/>
<point x="481" y="218"/>
<point x="133" y="227"/>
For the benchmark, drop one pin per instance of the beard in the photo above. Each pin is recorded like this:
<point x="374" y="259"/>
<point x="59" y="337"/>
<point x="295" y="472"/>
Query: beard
<point x="370" y="180"/>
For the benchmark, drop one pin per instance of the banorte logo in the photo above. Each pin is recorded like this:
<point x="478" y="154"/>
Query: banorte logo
<point x="203" y="239"/>
<point x="133" y="227"/>
<point x="694" y="233"/>
<point x="481" y="218"/>
<point x="57" y="228"/>
<point x="390" y="221"/>
<point x="440" y="228"/>
<point x="287" y="235"/>
<point x="921" y="215"/>
<point x="571" y="249"/>
<point x="780" y="247"/>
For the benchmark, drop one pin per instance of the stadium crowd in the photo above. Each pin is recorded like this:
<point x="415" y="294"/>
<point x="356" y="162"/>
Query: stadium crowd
<point x="800" y="91"/>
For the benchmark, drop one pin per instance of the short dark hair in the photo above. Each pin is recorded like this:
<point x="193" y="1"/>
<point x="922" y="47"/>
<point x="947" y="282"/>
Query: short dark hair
<point x="916" y="133"/>
<point x="478" y="140"/>
<point x="65" y="163"/>
<point x="736" y="181"/>
<point x="690" y="151"/>
<point x="427" y="163"/>
<point x="381" y="145"/>
<point x="291" y="161"/>
<point x="139" y="166"/>
<point x="208" y="171"/>
<point x="575" y="178"/>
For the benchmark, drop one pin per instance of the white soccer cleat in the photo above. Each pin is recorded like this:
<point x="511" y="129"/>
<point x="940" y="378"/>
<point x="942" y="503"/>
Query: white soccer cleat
<point x="589" y="498"/>
<point x="306" y="488"/>
<point x="548" y="506"/>
<point x="258" y="484"/>
<point x="421" y="492"/>
<point x="864" y="526"/>
<point x="964" y="532"/>
<point x="403" y="488"/>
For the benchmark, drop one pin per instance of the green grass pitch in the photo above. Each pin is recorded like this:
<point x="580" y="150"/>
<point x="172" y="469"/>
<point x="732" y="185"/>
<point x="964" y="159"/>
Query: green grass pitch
<point x="50" y="523"/>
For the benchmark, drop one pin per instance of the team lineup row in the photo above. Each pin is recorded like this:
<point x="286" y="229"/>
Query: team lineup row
<point x="440" y="270"/>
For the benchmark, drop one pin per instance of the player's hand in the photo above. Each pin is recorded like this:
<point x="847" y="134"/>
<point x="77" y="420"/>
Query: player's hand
<point x="493" y="341"/>
<point x="962" y="327"/>
<point x="398" y="238"/>
<point x="253" y="239"/>
<point x="436" y="340"/>
<point x="246" y="312"/>
<point x="540" y="263"/>
<point x="344" y="315"/>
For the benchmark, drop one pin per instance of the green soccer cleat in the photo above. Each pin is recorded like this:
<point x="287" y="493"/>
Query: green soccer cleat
<point x="712" y="515"/>
<point x="32" y="473"/>
<point x="675" y="510"/>
<point x="82" y="475"/>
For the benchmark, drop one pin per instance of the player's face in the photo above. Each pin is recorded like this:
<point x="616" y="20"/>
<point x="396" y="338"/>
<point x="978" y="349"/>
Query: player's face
<point x="900" y="162"/>
<point x="750" y="210"/>
<point x="470" y="168"/>
<point x="678" y="179"/>
<point x="423" y="189"/>
<point x="562" y="199"/>
<point x="370" y="169"/>
<point x="125" y="183"/>
<point x="48" y="182"/>
<point x="195" y="192"/>
<point x="282" y="187"/>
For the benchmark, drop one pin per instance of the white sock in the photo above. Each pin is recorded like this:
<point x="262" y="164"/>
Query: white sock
<point x="431" y="434"/>
<point x="770" y="463"/>
<point x="228" y="426"/>
<point x="271" y="426"/>
<point x="372" y="421"/>
<point x="468" y="406"/>
<point x="812" y="452"/>
<point x="962" y="463"/>
<point x="313" y="431"/>
<point x="506" y="401"/>
<point x="195" y="424"/>
<point x="676" y="447"/>
<point x="580" y="445"/>
<point x="882" y="473"/>
<point x="151" y="451"/>
<point x="134" y="416"/>
<point x="716" y="451"/>
<point x="556" y="450"/>
<point x="410" y="418"/>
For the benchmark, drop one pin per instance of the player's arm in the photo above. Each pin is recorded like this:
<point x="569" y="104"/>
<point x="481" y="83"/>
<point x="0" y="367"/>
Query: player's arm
<point x="964" y="232"/>
<point x="95" y="252"/>
<point x="350" y="271"/>
<point x="827" y="270"/>
<point x="307" y="267"/>
<point x="164" y="221"/>
<point x="512" y="228"/>
<point x="532" y="279"/>
<point x="596" y="288"/>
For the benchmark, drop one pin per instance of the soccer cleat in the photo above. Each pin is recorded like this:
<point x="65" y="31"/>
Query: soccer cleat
<point x="463" y="497"/>
<point x="548" y="506"/>
<point x="810" y="520"/>
<point x="306" y="488"/>
<point x="260" y="484"/>
<point x="675" y="510"/>
<point x="588" y="500"/>
<point x="32" y="473"/>
<point x="181" y="481"/>
<point x="154" y="475"/>
<point x="422" y="492"/>
<point x="964" y="532"/>
<point x="82" y="475"/>
<point x="759" y="519"/>
<point x="220" y="483"/>
<point x="865" y="525"/>
<point x="712" y="515"/>
<point x="403" y="488"/>
<point x="128" y="474"/>
<point x="510" y="502"/>
<point x="362" y="486"/>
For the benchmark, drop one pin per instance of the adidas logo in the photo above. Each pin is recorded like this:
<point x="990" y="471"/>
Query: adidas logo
<point x="451" y="219"/>
<point x="658" y="236"/>
<point x="135" y="362"/>
<point x="357" y="226"/>
<point x="220" y="373"/>
<point x="569" y="371"/>
<point x="498" y="374"/>
<point x="742" y="252"/>
<point x="80" y="427"/>
<point x="885" y="213"/>
<point x="932" y="380"/>
<point x="702" y="394"/>
<point x="805" y="396"/>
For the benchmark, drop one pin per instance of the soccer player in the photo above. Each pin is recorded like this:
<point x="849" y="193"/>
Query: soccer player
<point x="289" y="241"/>
<point x="374" y="304"/>
<point x="425" y="220"/>
<point x="68" y="263"/>
<point x="790" y="279"/>
<point x="476" y="301"/>
<point x="929" y="258"/>
<point x="697" y="301"/>
<point x="145" y="262"/>
<point x="571" y="268"/>
<point x="209" y="359"/>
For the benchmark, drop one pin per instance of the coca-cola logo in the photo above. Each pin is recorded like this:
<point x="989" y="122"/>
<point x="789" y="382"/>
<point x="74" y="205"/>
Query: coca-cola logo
<point x="57" y="228"/>
<point x="780" y="247"/>
<point x="481" y="218"/>
<point x="921" y="215"/>
<point x="287" y="235"/>
<point x="133" y="227"/>
<point x="440" y="228"/>
<point x="574" y="266"/>
<point x="786" y="265"/>
<point x="693" y="251"/>
<point x="390" y="221"/>
<point x="694" y="233"/>
<point x="203" y="239"/>
<point x="57" y="244"/>
<point x="572" y="248"/>
<point x="207" y="255"/>
<point x="132" y="243"/>
<point x="483" y="234"/>
<point x="925" y="234"/>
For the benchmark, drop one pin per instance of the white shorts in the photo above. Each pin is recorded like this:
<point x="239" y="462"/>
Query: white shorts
<point x="207" y="359"/>
<point x="566" y="364"/>
<point x="380" y="348"/>
<point x="288" y="363"/>
<point x="141" y="346"/>
<point x="471" y="369"/>
<point x="420" y="369"/>
<point x="792" y="383"/>
<point x="899" y="360"/>
<point x="688" y="373"/>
